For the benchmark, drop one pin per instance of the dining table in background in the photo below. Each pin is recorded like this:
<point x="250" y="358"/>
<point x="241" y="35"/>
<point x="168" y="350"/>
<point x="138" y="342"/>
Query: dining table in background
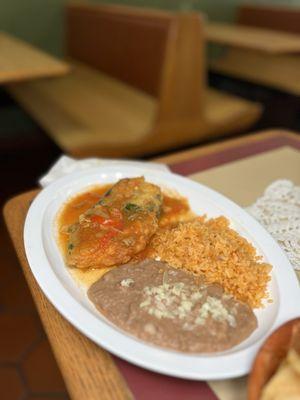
<point x="239" y="168"/>
<point x="252" y="38"/>
<point x="21" y="61"/>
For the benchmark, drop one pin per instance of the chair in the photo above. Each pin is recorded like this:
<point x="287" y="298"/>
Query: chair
<point x="137" y="85"/>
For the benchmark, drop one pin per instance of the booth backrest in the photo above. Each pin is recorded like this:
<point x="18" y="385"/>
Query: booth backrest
<point x="280" y="18"/>
<point x="125" y="42"/>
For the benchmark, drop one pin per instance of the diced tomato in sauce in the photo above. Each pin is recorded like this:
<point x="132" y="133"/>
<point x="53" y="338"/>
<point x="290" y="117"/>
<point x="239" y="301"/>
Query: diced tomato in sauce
<point x="105" y="239"/>
<point x="115" y="223"/>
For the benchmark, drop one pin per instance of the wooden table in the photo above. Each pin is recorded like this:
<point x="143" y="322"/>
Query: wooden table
<point x="20" y="61"/>
<point x="252" y="38"/>
<point x="279" y="71"/>
<point x="239" y="168"/>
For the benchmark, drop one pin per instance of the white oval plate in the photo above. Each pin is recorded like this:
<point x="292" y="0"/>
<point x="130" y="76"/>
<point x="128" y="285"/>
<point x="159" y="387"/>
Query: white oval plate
<point x="71" y="301"/>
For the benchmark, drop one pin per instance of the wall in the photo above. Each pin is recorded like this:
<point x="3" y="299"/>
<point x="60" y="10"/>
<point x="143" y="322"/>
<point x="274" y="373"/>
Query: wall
<point x="41" y="21"/>
<point x="37" y="21"/>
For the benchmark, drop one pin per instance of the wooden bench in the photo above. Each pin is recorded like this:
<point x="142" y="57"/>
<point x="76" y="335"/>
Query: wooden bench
<point x="278" y="71"/>
<point x="137" y="85"/>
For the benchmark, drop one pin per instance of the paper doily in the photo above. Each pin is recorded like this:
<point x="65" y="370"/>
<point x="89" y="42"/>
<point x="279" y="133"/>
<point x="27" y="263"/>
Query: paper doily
<point x="278" y="210"/>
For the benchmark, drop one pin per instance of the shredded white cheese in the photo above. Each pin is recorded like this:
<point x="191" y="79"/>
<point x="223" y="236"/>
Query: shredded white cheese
<point x="178" y="300"/>
<point x="169" y="300"/>
<point x="216" y="309"/>
<point x="127" y="282"/>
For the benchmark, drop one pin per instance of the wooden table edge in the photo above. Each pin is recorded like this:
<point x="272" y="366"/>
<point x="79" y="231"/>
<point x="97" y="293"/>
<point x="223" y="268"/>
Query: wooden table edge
<point x="17" y="78"/>
<point x="225" y="144"/>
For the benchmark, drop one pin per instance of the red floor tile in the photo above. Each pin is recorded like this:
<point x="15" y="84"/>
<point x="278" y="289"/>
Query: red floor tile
<point x="15" y="295"/>
<point x="41" y="372"/>
<point x="11" y="384"/>
<point x="22" y="341"/>
<point x="9" y="265"/>
<point x="17" y="333"/>
<point x="14" y="292"/>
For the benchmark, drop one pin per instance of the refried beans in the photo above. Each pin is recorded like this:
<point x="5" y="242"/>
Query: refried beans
<point x="172" y="308"/>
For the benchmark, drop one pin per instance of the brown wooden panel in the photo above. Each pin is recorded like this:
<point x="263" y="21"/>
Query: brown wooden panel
<point x="281" y="18"/>
<point x="127" y="43"/>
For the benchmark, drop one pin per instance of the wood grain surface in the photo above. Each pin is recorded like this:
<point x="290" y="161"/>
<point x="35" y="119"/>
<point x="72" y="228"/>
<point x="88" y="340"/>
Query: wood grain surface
<point x="87" y="369"/>
<point x="252" y="38"/>
<point x="20" y="61"/>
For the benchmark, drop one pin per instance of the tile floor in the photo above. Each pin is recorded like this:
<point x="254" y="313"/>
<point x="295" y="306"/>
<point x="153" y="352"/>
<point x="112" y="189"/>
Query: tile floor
<point x="28" y="369"/>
